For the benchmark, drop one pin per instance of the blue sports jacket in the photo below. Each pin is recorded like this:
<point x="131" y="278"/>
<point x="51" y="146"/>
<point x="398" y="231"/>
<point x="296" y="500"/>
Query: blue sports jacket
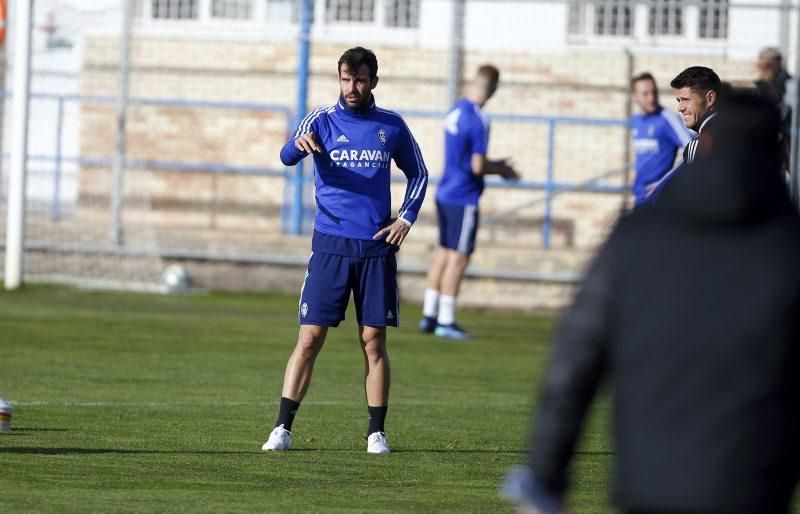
<point x="352" y="172"/>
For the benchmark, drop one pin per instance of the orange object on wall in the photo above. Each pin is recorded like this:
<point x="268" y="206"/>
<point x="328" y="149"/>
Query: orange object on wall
<point x="3" y="21"/>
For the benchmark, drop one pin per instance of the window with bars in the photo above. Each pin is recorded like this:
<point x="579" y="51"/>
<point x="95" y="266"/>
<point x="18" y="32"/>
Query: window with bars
<point x="713" y="19"/>
<point x="402" y="13"/>
<point x="577" y="16"/>
<point x="175" y="9"/>
<point x="613" y="17"/>
<point x="283" y="11"/>
<point x="666" y="17"/>
<point x="350" y="10"/>
<point x="232" y="9"/>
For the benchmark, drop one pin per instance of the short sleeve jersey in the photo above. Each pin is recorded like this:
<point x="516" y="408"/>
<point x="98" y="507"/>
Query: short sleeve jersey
<point x="466" y="132"/>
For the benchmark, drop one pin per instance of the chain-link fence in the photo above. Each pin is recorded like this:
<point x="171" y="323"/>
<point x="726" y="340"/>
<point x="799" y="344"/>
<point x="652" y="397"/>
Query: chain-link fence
<point x="213" y="90"/>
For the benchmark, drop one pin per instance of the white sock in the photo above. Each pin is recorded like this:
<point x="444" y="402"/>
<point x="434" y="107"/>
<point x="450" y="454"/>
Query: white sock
<point x="430" y="309"/>
<point x="447" y="310"/>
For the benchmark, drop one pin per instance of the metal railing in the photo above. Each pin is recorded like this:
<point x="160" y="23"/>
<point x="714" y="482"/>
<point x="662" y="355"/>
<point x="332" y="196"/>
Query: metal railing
<point x="294" y="180"/>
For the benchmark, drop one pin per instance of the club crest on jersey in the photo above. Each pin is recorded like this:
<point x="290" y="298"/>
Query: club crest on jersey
<point x="382" y="136"/>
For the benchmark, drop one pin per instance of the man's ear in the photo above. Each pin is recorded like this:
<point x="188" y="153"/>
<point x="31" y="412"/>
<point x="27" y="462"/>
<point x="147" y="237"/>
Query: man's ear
<point x="375" y="82"/>
<point x="711" y="98"/>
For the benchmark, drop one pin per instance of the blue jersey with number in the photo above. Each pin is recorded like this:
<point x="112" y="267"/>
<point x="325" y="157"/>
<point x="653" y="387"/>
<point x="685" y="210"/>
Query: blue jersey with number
<point x="351" y="173"/>
<point x="657" y="138"/>
<point x="466" y="132"/>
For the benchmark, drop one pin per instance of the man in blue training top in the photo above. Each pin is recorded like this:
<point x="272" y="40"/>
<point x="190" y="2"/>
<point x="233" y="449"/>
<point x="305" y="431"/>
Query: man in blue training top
<point x="658" y="135"/>
<point x="355" y="237"/>
<point x="466" y="141"/>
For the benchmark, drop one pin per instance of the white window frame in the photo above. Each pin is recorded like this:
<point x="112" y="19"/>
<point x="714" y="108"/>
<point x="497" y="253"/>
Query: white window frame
<point x="376" y="30"/>
<point x="581" y="30"/>
<point x="257" y="27"/>
<point x="206" y="26"/>
<point x="724" y="19"/>
<point x="666" y="15"/>
<point x="253" y="7"/>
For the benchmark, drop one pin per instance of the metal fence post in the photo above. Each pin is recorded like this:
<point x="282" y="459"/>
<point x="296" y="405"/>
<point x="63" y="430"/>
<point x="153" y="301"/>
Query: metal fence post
<point x="794" y="141"/>
<point x="631" y="63"/>
<point x="118" y="166"/>
<point x="548" y="205"/>
<point x="455" y="71"/>
<point x="18" y="167"/>
<point x="55" y="208"/>
<point x="306" y="14"/>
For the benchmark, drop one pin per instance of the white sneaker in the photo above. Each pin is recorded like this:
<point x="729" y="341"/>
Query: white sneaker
<point x="376" y="443"/>
<point x="279" y="440"/>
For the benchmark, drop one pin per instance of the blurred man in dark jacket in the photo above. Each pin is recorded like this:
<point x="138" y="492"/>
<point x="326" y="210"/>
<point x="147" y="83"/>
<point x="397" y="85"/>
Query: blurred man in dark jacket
<point x="692" y="310"/>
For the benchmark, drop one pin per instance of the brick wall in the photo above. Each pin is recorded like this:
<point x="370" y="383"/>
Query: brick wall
<point x="585" y="84"/>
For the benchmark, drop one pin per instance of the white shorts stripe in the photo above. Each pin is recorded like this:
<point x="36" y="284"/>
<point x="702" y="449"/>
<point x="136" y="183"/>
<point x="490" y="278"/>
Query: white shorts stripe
<point x="467" y="224"/>
<point x="302" y="288"/>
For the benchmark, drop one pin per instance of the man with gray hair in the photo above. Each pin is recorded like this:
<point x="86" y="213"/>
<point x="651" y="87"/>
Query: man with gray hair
<point x="775" y="84"/>
<point x="773" y="77"/>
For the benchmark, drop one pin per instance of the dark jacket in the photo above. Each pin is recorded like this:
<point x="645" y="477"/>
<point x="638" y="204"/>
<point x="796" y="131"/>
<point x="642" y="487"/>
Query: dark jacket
<point x="704" y="133"/>
<point x="692" y="310"/>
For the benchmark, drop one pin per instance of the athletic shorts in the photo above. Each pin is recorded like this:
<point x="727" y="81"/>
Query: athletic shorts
<point x="331" y="278"/>
<point x="458" y="226"/>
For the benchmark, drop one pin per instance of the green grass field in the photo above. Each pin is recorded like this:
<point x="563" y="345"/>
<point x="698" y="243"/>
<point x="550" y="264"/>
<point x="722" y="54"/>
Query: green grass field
<point x="129" y="402"/>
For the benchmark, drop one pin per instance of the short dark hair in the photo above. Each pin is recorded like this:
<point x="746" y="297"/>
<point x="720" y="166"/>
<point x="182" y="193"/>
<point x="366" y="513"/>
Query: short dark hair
<point x="357" y="56"/>
<point x="699" y="79"/>
<point x="490" y="73"/>
<point x="643" y="76"/>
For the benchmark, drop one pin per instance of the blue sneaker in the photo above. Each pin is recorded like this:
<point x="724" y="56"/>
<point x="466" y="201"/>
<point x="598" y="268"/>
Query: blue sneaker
<point x="452" y="332"/>
<point x="427" y="325"/>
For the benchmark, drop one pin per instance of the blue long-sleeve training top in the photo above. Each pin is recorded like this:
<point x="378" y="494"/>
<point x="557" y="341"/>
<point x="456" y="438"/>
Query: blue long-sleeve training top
<point x="352" y="172"/>
<point x="657" y="138"/>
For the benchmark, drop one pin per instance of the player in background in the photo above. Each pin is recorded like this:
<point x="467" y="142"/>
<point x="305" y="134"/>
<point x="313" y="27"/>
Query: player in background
<point x="658" y="135"/>
<point x="698" y="91"/>
<point x="466" y="132"/>
<point x="355" y="238"/>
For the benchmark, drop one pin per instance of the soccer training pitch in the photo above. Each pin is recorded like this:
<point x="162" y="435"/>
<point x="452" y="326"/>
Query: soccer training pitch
<point x="133" y="402"/>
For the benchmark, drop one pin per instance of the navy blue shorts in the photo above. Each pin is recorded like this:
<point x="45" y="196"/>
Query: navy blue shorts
<point x="331" y="278"/>
<point x="458" y="226"/>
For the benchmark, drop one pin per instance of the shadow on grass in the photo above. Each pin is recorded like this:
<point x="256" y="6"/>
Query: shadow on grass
<point x="96" y="451"/>
<point x="99" y="451"/>
<point x="458" y="450"/>
<point x="23" y="430"/>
